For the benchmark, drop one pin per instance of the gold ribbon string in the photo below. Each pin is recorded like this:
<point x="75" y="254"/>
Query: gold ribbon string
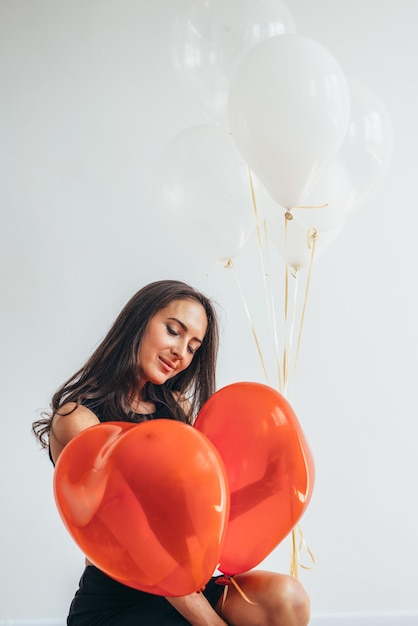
<point x="312" y="237"/>
<point x="224" y="594"/>
<point x="269" y="301"/>
<point x="241" y="591"/>
<point x="289" y="216"/>
<point x="287" y="344"/>
<point x="259" y="240"/>
<point x="294" y="557"/>
<point x="230" y="265"/>
<point x="296" y="551"/>
<point x="286" y="299"/>
<point x="276" y="344"/>
<point x="289" y="333"/>
<point x="311" y="243"/>
<point x="227" y="581"/>
<point x="273" y="315"/>
<point x="273" y="310"/>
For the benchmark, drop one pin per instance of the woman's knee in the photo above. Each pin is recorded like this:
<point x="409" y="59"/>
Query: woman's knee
<point x="287" y="602"/>
<point x="280" y="598"/>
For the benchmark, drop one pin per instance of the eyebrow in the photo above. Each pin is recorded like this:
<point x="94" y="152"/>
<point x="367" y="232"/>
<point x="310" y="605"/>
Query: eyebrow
<point x="184" y="327"/>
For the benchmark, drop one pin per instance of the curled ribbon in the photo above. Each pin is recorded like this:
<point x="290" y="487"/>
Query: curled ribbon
<point x="228" y="581"/>
<point x="296" y="551"/>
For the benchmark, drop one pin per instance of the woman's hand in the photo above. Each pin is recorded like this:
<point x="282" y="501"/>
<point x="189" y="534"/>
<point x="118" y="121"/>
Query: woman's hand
<point x="196" y="610"/>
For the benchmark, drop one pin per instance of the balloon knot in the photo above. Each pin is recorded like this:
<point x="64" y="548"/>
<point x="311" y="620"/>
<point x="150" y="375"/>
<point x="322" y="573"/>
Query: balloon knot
<point x="227" y="581"/>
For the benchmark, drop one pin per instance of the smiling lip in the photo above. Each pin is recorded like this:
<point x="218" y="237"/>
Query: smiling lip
<point x="167" y="365"/>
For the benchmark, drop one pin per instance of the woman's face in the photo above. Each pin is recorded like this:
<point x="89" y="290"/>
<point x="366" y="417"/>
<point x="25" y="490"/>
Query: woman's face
<point x="173" y="336"/>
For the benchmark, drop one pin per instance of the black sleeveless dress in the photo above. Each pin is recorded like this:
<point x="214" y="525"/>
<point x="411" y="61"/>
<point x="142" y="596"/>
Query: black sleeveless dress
<point x="102" y="601"/>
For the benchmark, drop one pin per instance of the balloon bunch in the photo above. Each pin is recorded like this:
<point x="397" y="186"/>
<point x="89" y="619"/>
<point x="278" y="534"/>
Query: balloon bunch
<point x="159" y="505"/>
<point x="317" y="142"/>
<point x="202" y="177"/>
<point x="295" y="147"/>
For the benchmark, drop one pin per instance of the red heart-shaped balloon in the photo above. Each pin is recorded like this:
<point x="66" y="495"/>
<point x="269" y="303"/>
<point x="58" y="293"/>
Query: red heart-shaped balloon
<point x="147" y="503"/>
<point x="269" y="469"/>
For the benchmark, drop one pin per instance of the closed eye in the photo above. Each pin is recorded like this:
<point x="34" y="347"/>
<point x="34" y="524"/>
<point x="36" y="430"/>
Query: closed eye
<point x="173" y="332"/>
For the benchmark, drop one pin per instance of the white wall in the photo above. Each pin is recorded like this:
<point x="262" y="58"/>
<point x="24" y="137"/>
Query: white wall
<point x="88" y="102"/>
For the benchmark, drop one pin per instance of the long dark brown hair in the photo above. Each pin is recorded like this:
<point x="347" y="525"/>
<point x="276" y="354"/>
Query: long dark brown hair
<point x="110" y="377"/>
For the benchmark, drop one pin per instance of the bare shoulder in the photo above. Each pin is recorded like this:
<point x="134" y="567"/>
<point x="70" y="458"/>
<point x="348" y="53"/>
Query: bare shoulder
<point x="70" y="420"/>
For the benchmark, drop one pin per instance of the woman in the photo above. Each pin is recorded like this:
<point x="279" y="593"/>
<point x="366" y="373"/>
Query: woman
<point x="158" y="360"/>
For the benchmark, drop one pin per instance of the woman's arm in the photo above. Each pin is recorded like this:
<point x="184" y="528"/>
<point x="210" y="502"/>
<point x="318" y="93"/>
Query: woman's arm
<point x="66" y="424"/>
<point x="196" y="610"/>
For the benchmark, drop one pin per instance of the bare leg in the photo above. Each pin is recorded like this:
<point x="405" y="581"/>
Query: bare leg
<point x="280" y="601"/>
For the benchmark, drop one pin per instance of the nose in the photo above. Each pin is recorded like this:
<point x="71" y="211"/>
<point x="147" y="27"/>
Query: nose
<point x="179" y="350"/>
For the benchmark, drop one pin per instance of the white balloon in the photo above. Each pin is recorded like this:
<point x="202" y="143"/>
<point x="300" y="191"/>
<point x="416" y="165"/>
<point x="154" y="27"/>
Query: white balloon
<point x="288" y="111"/>
<point x="204" y="193"/>
<point x="368" y="148"/>
<point x="210" y="37"/>
<point x="348" y="180"/>
<point x="297" y="244"/>
<point x="327" y="201"/>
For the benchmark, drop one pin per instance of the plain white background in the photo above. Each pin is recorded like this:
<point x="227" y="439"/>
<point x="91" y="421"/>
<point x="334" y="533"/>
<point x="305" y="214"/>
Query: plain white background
<point x="89" y="100"/>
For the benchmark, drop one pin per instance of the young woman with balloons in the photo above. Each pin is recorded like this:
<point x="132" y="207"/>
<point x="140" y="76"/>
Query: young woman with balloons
<point x="156" y="367"/>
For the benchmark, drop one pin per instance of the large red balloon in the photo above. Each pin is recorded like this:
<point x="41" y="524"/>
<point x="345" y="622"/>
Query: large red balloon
<point x="269" y="468"/>
<point x="147" y="503"/>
